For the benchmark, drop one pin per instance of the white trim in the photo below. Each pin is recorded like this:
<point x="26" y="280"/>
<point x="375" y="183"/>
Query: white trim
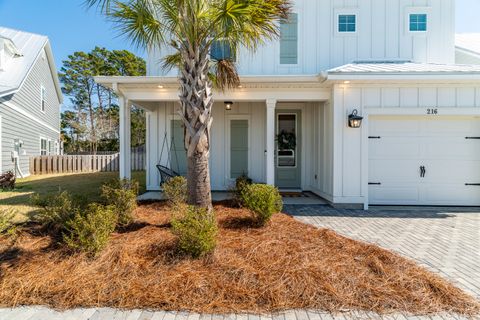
<point x="228" y="178"/>
<point x="345" y="11"/>
<point x="29" y="115"/>
<point x="417" y="10"/>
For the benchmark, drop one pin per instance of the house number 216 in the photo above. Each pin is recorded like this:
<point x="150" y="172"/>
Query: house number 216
<point x="432" y="111"/>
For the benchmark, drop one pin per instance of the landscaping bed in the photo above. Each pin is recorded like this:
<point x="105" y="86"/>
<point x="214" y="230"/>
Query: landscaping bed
<point x="284" y="265"/>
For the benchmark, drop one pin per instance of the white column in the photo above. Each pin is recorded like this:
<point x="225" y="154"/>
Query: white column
<point x="270" y="142"/>
<point x="125" y="144"/>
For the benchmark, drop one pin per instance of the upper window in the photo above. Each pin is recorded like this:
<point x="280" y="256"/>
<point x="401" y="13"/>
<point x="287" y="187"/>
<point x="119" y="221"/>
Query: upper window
<point x="347" y="23"/>
<point x="43" y="146"/>
<point x="418" y="22"/>
<point x="43" y="97"/>
<point x="289" y="40"/>
<point x="221" y="50"/>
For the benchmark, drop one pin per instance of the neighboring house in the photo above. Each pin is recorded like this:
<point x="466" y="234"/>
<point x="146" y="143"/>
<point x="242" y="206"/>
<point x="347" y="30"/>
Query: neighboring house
<point x="467" y="47"/>
<point x="30" y="98"/>
<point x="393" y="61"/>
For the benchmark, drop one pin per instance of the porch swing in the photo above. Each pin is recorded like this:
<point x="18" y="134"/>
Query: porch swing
<point x="166" y="172"/>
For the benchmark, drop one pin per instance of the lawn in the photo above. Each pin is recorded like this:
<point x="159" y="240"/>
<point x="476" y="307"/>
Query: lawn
<point x="80" y="185"/>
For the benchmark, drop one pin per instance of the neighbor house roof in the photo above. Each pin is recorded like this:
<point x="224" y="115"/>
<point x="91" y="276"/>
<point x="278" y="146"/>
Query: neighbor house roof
<point x="28" y="48"/>
<point x="468" y="43"/>
<point x="404" y="70"/>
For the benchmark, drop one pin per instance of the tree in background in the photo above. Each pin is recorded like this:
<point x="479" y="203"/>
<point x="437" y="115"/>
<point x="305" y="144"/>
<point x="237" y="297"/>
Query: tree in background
<point x="190" y="28"/>
<point x="92" y="122"/>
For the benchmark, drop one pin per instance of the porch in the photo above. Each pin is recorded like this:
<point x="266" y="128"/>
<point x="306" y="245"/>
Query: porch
<point x="244" y="134"/>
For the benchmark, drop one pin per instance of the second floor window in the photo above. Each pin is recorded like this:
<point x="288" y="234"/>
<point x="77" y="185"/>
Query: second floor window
<point x="289" y="40"/>
<point x="221" y="50"/>
<point x="418" y="22"/>
<point x="43" y="99"/>
<point x="347" y="23"/>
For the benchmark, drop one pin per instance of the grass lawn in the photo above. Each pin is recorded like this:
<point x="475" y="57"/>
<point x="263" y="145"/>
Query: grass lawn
<point x="80" y="185"/>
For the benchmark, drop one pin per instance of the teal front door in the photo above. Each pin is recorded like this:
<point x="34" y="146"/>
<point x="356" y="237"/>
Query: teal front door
<point x="288" y="149"/>
<point x="238" y="148"/>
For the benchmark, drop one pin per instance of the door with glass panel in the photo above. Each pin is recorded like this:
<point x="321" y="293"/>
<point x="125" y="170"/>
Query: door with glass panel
<point x="288" y="149"/>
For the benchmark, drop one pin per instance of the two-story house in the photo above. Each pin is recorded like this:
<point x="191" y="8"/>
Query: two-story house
<point x="391" y="62"/>
<point x="30" y="98"/>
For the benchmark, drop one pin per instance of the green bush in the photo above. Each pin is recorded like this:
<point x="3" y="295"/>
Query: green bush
<point x="122" y="196"/>
<point x="263" y="201"/>
<point x="175" y="190"/>
<point x="240" y="184"/>
<point x="196" y="230"/>
<point x="89" y="230"/>
<point x="7" y="226"/>
<point x="56" y="210"/>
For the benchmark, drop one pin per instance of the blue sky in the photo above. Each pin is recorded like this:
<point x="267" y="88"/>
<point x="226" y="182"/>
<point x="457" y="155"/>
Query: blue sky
<point x="71" y="27"/>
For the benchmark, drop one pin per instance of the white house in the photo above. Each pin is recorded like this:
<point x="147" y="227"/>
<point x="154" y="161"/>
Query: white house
<point x="390" y="61"/>
<point x="30" y="99"/>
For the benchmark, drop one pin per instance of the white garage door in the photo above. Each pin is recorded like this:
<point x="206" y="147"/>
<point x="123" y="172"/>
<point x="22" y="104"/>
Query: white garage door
<point x="424" y="161"/>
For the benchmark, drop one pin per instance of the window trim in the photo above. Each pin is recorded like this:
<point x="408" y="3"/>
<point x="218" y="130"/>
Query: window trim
<point x="336" y="22"/>
<point x="42" y="138"/>
<point x="346" y="23"/>
<point x="283" y="65"/>
<point x="418" y="10"/>
<point x="43" y="99"/>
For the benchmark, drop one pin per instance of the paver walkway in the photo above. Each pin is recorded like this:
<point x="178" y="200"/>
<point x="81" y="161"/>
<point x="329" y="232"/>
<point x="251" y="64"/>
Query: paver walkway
<point x="446" y="241"/>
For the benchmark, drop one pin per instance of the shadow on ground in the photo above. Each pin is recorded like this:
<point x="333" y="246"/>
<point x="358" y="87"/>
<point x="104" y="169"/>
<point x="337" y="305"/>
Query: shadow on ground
<point x="378" y="212"/>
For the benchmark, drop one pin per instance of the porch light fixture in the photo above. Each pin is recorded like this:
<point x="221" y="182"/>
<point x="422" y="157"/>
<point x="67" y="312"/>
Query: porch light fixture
<point x="354" y="120"/>
<point x="228" y="105"/>
<point x="160" y="86"/>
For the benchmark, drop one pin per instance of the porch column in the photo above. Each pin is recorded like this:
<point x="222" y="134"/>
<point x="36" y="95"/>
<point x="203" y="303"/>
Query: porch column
<point x="125" y="144"/>
<point x="270" y="142"/>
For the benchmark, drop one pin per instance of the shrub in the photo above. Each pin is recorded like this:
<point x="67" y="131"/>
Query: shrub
<point x="196" y="230"/>
<point x="7" y="226"/>
<point x="56" y="210"/>
<point x="240" y="184"/>
<point x="122" y="196"/>
<point x="175" y="190"/>
<point x="263" y="201"/>
<point x="89" y="230"/>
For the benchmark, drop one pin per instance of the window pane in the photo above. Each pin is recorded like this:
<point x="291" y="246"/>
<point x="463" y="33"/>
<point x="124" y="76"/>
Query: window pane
<point x="221" y="50"/>
<point x="287" y="126"/>
<point x="289" y="40"/>
<point x="347" y="23"/>
<point x="418" y="22"/>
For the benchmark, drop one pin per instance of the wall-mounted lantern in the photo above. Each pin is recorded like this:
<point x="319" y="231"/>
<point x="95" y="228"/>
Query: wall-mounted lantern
<point x="354" y="120"/>
<point x="228" y="105"/>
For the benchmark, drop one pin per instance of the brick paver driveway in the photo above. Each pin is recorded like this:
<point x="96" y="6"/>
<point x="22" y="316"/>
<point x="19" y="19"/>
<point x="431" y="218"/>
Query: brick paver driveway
<point x="445" y="240"/>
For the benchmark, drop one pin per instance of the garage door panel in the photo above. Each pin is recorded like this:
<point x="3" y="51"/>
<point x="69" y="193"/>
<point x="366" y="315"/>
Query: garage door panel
<point x="385" y="194"/>
<point x="398" y="170"/>
<point x="403" y="144"/>
<point x="394" y="148"/>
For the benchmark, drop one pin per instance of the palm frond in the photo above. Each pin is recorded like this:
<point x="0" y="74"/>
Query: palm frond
<point x="225" y="75"/>
<point x="171" y="61"/>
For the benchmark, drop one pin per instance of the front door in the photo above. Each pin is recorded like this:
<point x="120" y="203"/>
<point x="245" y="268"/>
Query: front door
<point x="288" y="149"/>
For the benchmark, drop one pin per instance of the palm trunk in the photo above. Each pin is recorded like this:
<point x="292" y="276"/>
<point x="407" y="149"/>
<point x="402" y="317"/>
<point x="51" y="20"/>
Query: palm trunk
<point x="196" y="101"/>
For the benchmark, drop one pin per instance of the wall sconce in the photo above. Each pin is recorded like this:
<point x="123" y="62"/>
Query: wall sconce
<point x="228" y="105"/>
<point x="354" y="120"/>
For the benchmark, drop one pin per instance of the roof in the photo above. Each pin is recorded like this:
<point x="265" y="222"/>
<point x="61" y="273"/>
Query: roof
<point x="468" y="43"/>
<point x="29" y="47"/>
<point x="404" y="70"/>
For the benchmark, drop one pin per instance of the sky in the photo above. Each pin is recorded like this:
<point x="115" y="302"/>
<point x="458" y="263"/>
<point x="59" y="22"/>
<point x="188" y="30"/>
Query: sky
<point x="71" y="27"/>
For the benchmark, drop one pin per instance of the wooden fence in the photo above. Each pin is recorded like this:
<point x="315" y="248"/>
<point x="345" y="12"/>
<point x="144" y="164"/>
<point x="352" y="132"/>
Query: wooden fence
<point x="83" y="163"/>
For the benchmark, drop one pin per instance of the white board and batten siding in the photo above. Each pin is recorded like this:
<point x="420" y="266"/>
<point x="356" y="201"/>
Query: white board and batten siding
<point x="159" y="122"/>
<point x="423" y="125"/>
<point x="22" y="117"/>
<point x="382" y="34"/>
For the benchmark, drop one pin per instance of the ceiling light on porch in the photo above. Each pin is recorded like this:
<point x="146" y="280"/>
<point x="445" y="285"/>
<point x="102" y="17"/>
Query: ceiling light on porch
<point x="240" y="86"/>
<point x="228" y="105"/>
<point x="160" y="87"/>
<point x="354" y="120"/>
<point x="346" y="82"/>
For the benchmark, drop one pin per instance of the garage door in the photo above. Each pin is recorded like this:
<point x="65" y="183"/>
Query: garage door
<point x="424" y="161"/>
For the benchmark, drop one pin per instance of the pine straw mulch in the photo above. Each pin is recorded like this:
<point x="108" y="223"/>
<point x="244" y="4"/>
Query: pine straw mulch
<point x="286" y="265"/>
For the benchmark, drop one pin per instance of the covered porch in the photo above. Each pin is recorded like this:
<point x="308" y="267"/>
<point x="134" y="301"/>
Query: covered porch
<point x="245" y="133"/>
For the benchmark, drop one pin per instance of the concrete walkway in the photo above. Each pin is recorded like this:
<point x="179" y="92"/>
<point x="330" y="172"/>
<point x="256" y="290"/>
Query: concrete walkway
<point x="446" y="241"/>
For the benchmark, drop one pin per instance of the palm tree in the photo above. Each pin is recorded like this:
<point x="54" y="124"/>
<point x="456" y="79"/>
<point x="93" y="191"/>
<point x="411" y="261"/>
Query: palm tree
<point x="191" y="27"/>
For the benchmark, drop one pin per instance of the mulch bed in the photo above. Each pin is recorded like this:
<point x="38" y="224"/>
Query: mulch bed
<point x="286" y="265"/>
